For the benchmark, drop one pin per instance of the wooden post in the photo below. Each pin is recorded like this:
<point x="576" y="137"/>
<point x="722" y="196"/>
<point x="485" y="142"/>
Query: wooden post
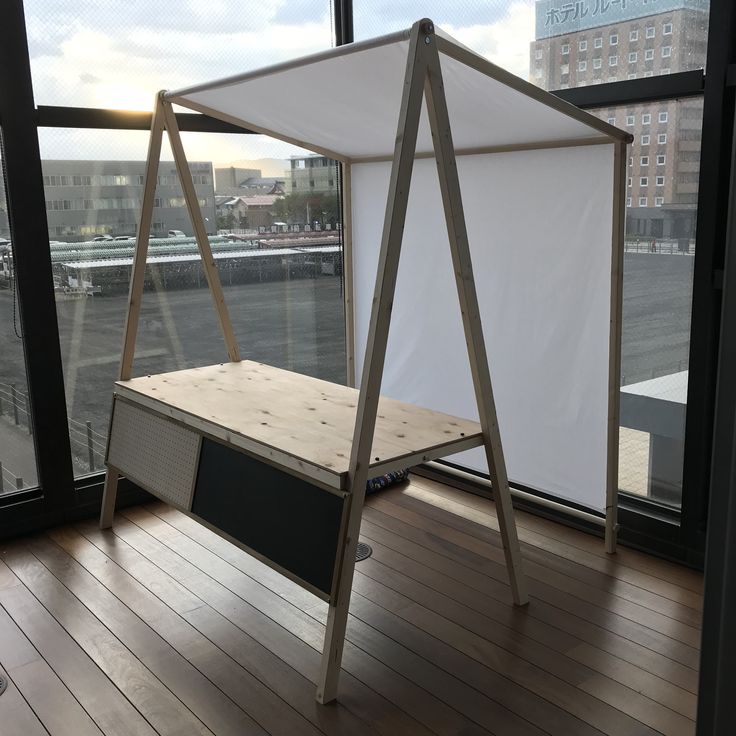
<point x="109" y="494"/>
<point x="90" y="447"/>
<point x="138" y="272"/>
<point x="365" y="420"/>
<point x="14" y="394"/>
<point x="135" y="292"/>
<point x="614" y="345"/>
<point x="347" y="272"/>
<point x="200" y="232"/>
<point x="457" y="232"/>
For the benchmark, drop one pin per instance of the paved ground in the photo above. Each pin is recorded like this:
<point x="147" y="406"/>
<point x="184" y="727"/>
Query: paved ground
<point x="294" y="324"/>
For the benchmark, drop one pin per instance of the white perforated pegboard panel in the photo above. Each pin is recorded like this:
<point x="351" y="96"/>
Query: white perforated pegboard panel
<point x="155" y="452"/>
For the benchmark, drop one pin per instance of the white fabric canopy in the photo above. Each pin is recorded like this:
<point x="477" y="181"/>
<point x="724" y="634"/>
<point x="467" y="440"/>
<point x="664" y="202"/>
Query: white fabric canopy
<point x="345" y="102"/>
<point x="538" y="199"/>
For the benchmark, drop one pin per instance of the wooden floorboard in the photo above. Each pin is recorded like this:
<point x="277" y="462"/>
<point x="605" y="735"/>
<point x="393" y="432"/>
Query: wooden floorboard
<point x="16" y="714"/>
<point x="159" y="626"/>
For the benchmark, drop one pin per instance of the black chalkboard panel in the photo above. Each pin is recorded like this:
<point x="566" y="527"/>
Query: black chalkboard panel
<point x="280" y="516"/>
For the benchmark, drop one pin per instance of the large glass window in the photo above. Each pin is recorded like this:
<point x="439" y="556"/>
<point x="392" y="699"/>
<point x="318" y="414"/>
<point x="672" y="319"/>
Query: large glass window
<point x="17" y="455"/>
<point x="528" y="38"/>
<point x="277" y="247"/>
<point x="546" y="42"/>
<point x="658" y="277"/>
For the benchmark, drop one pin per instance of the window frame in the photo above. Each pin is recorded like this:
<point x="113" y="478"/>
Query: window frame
<point x="639" y="524"/>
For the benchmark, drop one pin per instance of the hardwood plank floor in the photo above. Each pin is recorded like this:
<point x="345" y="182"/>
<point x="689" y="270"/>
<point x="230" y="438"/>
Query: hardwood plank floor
<point x="159" y="626"/>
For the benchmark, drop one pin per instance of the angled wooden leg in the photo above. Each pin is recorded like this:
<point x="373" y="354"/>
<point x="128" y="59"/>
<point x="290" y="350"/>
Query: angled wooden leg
<point x="337" y="616"/>
<point x="457" y="233"/>
<point x="137" y="276"/>
<point x="200" y="232"/>
<point x="375" y="355"/>
<point x="614" y="349"/>
<point x="109" y="495"/>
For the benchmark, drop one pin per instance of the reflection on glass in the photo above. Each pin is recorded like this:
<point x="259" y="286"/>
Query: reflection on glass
<point x="17" y="454"/>
<point x="275" y="232"/>
<point x="661" y="207"/>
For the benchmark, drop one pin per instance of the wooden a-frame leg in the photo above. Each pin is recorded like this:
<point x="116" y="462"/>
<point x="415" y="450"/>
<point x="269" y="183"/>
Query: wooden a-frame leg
<point x="200" y="232"/>
<point x="365" y="418"/>
<point x="614" y="346"/>
<point x="337" y="615"/>
<point x="135" y="291"/>
<point x="456" y="229"/>
<point x="109" y="494"/>
<point x="137" y="276"/>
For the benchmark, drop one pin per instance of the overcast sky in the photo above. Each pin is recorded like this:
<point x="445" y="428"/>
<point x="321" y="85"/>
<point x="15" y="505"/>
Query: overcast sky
<point x="118" y="53"/>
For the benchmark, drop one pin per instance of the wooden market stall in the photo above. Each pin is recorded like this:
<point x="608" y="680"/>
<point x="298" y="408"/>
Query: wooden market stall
<point x="278" y="462"/>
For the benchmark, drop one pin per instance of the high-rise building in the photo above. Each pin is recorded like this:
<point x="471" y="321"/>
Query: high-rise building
<point x="584" y="42"/>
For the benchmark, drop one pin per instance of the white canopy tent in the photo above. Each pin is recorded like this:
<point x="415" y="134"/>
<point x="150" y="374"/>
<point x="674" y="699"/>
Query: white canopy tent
<point x="543" y="235"/>
<point x="541" y="213"/>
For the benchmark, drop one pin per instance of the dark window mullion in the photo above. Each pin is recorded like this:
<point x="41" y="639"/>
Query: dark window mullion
<point x="37" y="306"/>
<point x="632" y="91"/>
<point x="57" y="116"/>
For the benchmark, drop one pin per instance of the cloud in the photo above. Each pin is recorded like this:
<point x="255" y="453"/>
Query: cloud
<point x="118" y="55"/>
<point x="505" y="42"/>
<point x="136" y="48"/>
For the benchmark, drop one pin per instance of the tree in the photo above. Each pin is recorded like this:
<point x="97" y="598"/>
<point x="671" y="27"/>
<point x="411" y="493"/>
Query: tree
<point x="226" y="221"/>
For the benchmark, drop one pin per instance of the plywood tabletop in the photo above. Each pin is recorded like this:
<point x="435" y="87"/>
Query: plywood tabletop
<point x="300" y="423"/>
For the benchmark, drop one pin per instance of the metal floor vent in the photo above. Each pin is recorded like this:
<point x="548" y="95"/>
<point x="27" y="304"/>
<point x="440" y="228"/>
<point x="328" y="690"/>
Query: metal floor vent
<point x="363" y="552"/>
<point x="3" y="684"/>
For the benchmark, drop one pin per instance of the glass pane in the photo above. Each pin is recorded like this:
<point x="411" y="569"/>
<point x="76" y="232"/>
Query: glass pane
<point x="107" y="53"/>
<point x="661" y="205"/>
<point x="597" y="41"/>
<point x="275" y="232"/>
<point x="17" y="453"/>
<point x="558" y="44"/>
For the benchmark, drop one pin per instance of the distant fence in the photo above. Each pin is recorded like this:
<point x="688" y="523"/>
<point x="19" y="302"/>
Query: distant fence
<point x="14" y="405"/>
<point x="683" y="247"/>
<point x="88" y="445"/>
<point x="8" y="481"/>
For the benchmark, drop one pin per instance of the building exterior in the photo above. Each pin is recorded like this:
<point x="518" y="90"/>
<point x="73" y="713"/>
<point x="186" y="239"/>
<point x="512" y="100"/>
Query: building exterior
<point x="247" y="212"/>
<point x="89" y="198"/>
<point x="312" y="175"/>
<point x="236" y="181"/>
<point x="588" y="42"/>
<point x="230" y="177"/>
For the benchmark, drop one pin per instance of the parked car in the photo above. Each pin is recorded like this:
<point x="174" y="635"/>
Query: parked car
<point x="177" y="234"/>
<point x="99" y="238"/>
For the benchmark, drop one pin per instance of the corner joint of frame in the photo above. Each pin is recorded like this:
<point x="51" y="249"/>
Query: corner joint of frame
<point x="426" y="27"/>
